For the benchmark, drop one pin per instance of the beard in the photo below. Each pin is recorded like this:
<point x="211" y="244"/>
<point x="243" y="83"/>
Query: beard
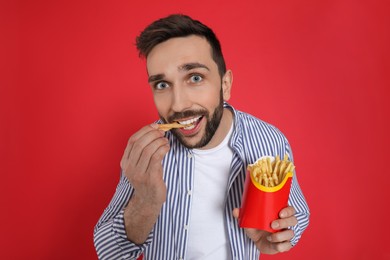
<point x="212" y="123"/>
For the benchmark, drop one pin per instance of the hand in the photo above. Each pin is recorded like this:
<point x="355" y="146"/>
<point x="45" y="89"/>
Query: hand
<point x="277" y="242"/>
<point x="141" y="164"/>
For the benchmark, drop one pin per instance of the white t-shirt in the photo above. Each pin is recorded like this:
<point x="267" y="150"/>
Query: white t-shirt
<point x="208" y="235"/>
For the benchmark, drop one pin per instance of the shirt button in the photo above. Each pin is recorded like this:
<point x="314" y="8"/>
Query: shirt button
<point x="189" y="192"/>
<point x="185" y="227"/>
<point x="189" y="155"/>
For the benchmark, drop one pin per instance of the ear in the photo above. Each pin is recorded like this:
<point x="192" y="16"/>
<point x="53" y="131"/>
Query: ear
<point x="227" y="81"/>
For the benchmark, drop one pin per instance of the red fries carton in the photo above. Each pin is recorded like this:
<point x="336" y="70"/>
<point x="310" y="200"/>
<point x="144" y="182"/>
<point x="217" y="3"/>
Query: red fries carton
<point x="260" y="204"/>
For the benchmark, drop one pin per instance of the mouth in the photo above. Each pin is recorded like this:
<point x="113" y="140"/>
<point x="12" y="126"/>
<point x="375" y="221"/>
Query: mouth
<point x="192" y="123"/>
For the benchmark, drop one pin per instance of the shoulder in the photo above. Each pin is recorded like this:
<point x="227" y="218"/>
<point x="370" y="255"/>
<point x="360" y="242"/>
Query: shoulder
<point x="255" y="126"/>
<point x="254" y="138"/>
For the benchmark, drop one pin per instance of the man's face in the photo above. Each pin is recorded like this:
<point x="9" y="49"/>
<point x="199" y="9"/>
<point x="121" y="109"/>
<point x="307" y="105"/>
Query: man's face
<point x="187" y="88"/>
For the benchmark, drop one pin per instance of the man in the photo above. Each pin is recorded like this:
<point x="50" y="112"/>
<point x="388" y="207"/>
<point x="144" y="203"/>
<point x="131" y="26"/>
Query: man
<point x="180" y="191"/>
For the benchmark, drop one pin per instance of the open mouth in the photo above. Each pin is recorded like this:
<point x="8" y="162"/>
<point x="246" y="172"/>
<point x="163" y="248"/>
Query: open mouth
<point x="191" y="122"/>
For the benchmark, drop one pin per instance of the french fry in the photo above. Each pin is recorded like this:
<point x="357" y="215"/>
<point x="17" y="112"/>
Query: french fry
<point x="261" y="179"/>
<point x="271" y="182"/>
<point x="275" y="178"/>
<point x="167" y="127"/>
<point x="255" y="173"/>
<point x="273" y="163"/>
<point x="266" y="182"/>
<point x="289" y="167"/>
<point x="276" y="170"/>
<point x="282" y="166"/>
<point x="269" y="166"/>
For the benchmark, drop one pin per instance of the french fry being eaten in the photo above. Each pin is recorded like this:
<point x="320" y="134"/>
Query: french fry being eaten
<point x="167" y="127"/>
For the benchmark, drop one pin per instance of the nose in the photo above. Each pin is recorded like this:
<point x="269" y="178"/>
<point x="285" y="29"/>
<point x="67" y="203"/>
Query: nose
<point x="181" y="100"/>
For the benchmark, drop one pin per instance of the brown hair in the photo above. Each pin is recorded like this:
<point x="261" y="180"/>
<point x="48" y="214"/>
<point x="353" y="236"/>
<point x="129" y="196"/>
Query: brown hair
<point x="179" y="25"/>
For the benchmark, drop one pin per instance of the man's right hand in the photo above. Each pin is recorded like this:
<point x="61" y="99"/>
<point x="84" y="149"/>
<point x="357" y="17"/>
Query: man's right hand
<point x="141" y="164"/>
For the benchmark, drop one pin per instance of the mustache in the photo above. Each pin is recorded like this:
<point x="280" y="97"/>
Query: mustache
<point x="188" y="113"/>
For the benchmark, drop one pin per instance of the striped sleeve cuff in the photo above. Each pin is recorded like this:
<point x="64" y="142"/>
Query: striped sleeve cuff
<point x="129" y="249"/>
<point x="298" y="229"/>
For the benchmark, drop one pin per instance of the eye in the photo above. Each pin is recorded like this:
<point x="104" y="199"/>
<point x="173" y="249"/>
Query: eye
<point x="161" y="85"/>
<point x="196" y="78"/>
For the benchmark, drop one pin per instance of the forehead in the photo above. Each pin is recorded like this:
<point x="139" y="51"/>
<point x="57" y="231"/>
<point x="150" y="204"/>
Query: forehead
<point x="177" y="51"/>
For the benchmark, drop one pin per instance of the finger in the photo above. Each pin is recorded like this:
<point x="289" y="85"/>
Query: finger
<point x="287" y="212"/>
<point x="282" y="236"/>
<point x="144" y="130"/>
<point x="282" y="247"/>
<point x="236" y="213"/>
<point x="284" y="223"/>
<point x="156" y="158"/>
<point x="255" y="234"/>
<point x="149" y="151"/>
<point x="132" y="140"/>
<point x="139" y="145"/>
<point x="139" y="134"/>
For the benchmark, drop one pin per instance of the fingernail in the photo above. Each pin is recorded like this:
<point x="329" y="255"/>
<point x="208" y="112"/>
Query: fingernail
<point x="269" y="238"/>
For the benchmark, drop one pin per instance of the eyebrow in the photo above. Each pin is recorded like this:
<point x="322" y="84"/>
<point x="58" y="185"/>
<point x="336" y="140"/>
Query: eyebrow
<point x="156" y="77"/>
<point x="193" y="65"/>
<point x="184" y="67"/>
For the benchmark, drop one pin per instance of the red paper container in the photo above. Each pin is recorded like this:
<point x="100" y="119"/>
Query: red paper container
<point x="261" y="205"/>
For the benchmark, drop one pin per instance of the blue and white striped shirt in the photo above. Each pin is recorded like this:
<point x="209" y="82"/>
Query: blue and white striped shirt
<point x="251" y="139"/>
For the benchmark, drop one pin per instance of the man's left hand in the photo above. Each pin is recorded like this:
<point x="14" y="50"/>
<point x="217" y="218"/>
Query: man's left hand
<point x="273" y="243"/>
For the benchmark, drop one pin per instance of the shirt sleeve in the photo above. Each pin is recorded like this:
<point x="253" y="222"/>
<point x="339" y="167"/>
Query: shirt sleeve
<point x="297" y="200"/>
<point x="110" y="237"/>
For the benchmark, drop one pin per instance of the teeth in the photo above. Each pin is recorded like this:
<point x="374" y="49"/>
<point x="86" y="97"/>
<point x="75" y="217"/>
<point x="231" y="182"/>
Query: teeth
<point x="189" y="127"/>
<point x="190" y="121"/>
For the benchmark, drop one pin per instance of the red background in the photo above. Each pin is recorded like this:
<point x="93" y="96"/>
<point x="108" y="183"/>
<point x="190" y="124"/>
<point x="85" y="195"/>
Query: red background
<point x="73" y="90"/>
